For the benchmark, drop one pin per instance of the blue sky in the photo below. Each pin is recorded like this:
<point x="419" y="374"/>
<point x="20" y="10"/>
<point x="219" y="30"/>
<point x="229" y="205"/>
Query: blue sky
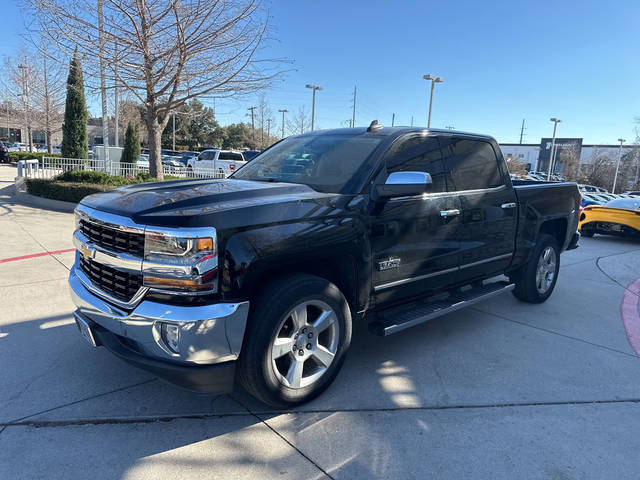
<point x="502" y="61"/>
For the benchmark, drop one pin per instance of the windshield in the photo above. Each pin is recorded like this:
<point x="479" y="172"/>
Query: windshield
<point x="626" y="203"/>
<point x="327" y="163"/>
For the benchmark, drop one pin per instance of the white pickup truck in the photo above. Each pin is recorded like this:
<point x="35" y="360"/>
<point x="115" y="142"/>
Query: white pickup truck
<point x="215" y="162"/>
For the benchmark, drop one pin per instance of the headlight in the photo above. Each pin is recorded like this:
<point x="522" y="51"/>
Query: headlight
<point x="181" y="260"/>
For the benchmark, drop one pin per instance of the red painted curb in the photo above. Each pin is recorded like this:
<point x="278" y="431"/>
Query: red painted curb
<point x="34" y="255"/>
<point x="630" y="315"/>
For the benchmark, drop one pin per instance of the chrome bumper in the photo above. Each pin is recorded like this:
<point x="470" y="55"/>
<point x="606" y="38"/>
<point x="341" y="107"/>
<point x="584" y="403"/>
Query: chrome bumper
<point x="209" y="334"/>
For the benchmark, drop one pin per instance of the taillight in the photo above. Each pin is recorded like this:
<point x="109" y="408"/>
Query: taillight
<point x="232" y="166"/>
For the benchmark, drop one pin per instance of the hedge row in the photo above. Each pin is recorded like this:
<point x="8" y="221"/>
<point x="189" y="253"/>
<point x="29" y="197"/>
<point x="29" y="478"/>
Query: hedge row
<point x="74" y="185"/>
<point x="16" y="156"/>
<point x="65" y="191"/>
<point x="102" y="178"/>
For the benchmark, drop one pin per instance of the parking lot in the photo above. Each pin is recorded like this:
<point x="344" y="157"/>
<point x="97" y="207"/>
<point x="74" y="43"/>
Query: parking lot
<point x="501" y="390"/>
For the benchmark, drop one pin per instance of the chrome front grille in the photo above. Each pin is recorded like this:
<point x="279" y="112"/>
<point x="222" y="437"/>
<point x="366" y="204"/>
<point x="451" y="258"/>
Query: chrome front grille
<point x="112" y="238"/>
<point x="117" y="283"/>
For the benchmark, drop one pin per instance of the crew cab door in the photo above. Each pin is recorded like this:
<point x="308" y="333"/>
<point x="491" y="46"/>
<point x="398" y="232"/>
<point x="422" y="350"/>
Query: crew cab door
<point x="204" y="161"/>
<point x="412" y="238"/>
<point x="488" y="203"/>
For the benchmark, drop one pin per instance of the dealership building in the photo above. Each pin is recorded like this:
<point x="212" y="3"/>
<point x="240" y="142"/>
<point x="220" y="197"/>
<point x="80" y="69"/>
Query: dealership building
<point x="536" y="155"/>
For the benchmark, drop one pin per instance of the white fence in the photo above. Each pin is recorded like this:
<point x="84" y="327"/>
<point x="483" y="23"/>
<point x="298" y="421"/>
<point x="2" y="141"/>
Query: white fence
<point x="50" y="167"/>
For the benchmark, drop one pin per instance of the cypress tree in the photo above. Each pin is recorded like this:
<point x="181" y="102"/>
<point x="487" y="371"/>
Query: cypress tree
<point x="75" y="142"/>
<point x="131" y="150"/>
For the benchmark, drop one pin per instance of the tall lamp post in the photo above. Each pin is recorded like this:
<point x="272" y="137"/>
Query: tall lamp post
<point x="615" y="177"/>
<point x="283" y="111"/>
<point x="313" y="101"/>
<point x="434" y="80"/>
<point x="555" y="121"/>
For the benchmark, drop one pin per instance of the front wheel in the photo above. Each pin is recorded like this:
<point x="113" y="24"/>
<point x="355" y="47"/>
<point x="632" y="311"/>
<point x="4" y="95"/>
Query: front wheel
<point x="298" y="334"/>
<point x="536" y="280"/>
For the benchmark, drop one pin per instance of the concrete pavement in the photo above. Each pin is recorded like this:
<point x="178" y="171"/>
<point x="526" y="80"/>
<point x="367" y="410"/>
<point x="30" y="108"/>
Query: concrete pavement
<point x="502" y="390"/>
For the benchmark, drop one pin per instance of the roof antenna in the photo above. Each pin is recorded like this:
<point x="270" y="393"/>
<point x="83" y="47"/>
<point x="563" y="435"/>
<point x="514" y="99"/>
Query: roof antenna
<point x="374" y="126"/>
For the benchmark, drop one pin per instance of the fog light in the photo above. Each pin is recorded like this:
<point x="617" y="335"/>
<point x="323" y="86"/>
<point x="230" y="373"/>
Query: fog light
<point x="171" y="336"/>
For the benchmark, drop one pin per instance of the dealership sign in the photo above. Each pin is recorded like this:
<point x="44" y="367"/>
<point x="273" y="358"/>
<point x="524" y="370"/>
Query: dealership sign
<point x="564" y="148"/>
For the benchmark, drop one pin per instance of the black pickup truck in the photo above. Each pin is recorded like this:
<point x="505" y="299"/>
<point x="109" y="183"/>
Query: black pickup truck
<point x="260" y="276"/>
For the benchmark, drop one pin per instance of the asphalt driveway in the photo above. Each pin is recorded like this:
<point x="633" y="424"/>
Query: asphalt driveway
<point x="502" y="390"/>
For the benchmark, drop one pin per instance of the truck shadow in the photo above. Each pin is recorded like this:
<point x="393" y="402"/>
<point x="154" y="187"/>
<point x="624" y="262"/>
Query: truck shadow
<point x="103" y="404"/>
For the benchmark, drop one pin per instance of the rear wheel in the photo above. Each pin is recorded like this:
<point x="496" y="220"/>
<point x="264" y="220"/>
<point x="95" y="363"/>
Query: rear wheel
<point x="587" y="232"/>
<point x="296" y="340"/>
<point x="536" y="280"/>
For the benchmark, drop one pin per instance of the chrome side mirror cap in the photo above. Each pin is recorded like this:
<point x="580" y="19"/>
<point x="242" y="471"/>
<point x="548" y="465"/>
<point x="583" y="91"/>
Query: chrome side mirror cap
<point x="409" y="178"/>
<point x="404" y="184"/>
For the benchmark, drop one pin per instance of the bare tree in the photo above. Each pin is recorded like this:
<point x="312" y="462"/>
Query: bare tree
<point x="40" y="85"/>
<point x="264" y="116"/>
<point x="600" y="170"/>
<point x="169" y="51"/>
<point x="515" y="165"/>
<point x="299" y="122"/>
<point x="570" y="158"/>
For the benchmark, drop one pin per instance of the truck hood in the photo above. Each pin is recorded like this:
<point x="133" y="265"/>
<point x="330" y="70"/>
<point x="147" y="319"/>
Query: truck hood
<point x="195" y="202"/>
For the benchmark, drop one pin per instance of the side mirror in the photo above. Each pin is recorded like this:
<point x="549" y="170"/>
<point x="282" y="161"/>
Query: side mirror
<point x="404" y="184"/>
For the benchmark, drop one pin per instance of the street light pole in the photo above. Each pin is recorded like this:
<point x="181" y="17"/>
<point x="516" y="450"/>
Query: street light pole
<point x="313" y="102"/>
<point x="434" y="80"/>
<point x="555" y="121"/>
<point x="283" y="111"/>
<point x="615" y="177"/>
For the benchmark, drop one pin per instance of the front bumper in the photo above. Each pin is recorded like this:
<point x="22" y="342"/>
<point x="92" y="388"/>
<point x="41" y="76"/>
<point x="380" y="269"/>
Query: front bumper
<point x="210" y="337"/>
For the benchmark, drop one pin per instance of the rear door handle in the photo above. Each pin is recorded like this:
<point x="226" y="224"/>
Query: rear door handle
<point x="508" y="205"/>
<point x="449" y="213"/>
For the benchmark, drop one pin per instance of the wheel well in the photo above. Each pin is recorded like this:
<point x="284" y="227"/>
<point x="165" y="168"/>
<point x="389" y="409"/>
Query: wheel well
<point x="341" y="273"/>
<point x="556" y="228"/>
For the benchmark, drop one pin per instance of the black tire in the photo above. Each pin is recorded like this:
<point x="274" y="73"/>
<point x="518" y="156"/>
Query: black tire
<point x="587" y="233"/>
<point x="255" y="369"/>
<point x="525" y="279"/>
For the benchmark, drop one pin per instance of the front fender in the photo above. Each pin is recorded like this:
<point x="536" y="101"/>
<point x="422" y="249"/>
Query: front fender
<point x="335" y="248"/>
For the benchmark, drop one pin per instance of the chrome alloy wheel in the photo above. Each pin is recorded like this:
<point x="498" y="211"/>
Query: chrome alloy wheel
<point x="305" y="344"/>
<point x="546" y="270"/>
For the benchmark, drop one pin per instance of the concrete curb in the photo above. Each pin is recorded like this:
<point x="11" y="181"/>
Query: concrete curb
<point x="44" y="203"/>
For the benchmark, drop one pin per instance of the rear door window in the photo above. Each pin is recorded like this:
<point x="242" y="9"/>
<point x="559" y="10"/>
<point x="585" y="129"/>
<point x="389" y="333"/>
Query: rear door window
<point x="470" y="164"/>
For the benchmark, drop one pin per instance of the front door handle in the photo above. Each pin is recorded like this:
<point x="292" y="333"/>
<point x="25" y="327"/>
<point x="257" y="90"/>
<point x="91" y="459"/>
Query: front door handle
<point x="449" y="213"/>
<point x="508" y="205"/>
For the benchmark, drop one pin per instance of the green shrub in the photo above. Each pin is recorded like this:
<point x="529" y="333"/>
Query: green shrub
<point x="131" y="151"/>
<point x="16" y="156"/>
<point x="65" y="191"/>
<point x="74" y="185"/>
<point x="102" y="178"/>
<point x="89" y="176"/>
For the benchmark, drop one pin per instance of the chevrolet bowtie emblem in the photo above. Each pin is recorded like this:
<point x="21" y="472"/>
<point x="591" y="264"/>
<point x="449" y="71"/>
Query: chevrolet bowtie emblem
<point x="86" y="251"/>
